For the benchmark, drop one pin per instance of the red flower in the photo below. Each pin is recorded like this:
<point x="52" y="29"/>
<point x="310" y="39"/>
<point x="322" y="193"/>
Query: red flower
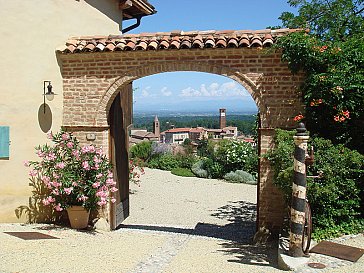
<point x="298" y="117"/>
<point x="346" y="113"/>
<point x="323" y="48"/>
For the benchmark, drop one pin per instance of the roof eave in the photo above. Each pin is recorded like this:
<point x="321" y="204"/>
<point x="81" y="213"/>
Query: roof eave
<point x="136" y="8"/>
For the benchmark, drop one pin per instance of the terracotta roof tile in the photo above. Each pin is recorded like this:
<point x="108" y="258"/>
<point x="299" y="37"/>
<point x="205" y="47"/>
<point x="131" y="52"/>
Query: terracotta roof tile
<point x="178" y="130"/>
<point x="221" y="42"/>
<point x="174" y="40"/>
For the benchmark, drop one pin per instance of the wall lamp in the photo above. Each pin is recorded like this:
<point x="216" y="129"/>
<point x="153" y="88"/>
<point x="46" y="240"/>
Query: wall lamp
<point x="49" y="94"/>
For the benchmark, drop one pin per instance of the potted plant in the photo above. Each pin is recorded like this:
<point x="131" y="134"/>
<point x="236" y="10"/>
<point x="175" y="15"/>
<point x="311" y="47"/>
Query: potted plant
<point x="75" y="177"/>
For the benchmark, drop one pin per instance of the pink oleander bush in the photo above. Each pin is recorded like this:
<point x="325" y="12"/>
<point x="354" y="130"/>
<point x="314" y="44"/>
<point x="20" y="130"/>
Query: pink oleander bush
<point x="73" y="175"/>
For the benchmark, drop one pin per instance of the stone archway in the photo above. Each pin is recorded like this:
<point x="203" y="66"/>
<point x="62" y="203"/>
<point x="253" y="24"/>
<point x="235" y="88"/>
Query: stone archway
<point x="97" y="70"/>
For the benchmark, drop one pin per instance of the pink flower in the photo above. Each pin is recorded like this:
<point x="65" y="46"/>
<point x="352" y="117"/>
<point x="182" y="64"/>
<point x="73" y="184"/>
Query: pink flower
<point x="97" y="159"/>
<point x="85" y="165"/>
<point x="46" y="179"/>
<point x="99" y="151"/>
<point x="48" y="200"/>
<point x="102" y="202"/>
<point x="60" y="165"/>
<point x="101" y="194"/>
<point x="56" y="184"/>
<point x="55" y="192"/>
<point x="33" y="173"/>
<point x="68" y="190"/>
<point x="91" y="149"/>
<point x="113" y="189"/>
<point x="85" y="149"/>
<point x="50" y="135"/>
<point x="69" y="144"/>
<point x="96" y="185"/>
<point x="99" y="175"/>
<point x="110" y="182"/>
<point x="110" y="175"/>
<point x="26" y="163"/>
<point x="83" y="198"/>
<point x="58" y="207"/>
<point x="51" y="156"/>
<point x="40" y="154"/>
<point x="113" y="200"/>
<point x="76" y="154"/>
<point x="65" y="136"/>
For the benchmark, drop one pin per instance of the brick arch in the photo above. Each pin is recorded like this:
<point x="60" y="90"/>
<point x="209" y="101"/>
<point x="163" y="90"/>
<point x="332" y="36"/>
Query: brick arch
<point x="143" y="71"/>
<point x="95" y="70"/>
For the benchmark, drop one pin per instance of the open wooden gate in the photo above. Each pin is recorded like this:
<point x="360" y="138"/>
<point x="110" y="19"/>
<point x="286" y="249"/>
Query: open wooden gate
<point x="119" y="158"/>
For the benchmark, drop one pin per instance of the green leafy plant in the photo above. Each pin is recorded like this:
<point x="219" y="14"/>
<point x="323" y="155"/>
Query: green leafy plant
<point x="336" y="198"/>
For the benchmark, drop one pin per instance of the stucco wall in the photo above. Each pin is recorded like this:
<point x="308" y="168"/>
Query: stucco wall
<point x="31" y="31"/>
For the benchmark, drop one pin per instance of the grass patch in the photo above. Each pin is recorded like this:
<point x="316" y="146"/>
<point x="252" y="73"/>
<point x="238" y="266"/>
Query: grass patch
<point x="183" y="172"/>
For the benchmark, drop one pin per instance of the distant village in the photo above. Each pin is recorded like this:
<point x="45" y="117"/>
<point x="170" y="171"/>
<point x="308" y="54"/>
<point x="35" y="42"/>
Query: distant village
<point x="179" y="135"/>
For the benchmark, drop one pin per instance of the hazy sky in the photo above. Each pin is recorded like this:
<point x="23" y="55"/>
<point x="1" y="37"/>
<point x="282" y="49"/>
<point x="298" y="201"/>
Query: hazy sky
<point x="194" y="91"/>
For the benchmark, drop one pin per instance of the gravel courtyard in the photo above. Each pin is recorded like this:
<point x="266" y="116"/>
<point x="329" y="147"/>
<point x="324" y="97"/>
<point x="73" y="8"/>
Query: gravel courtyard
<point x="176" y="224"/>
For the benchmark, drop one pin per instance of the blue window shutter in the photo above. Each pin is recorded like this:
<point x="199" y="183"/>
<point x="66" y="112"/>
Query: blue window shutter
<point x="4" y="142"/>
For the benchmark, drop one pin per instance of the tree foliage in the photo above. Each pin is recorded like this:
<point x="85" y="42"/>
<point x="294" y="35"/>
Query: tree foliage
<point x="328" y="19"/>
<point x="332" y="57"/>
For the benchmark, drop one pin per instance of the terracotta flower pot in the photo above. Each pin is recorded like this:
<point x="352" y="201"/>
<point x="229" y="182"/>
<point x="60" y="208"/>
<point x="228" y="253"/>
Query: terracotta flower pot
<point x="78" y="217"/>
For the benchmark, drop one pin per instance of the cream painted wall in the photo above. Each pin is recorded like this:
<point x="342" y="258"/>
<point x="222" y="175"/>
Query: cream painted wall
<point x="31" y="31"/>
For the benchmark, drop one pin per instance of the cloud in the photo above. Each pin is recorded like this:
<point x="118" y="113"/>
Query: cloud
<point x="190" y="92"/>
<point x="227" y="89"/>
<point x="165" y="92"/>
<point x="145" y="92"/>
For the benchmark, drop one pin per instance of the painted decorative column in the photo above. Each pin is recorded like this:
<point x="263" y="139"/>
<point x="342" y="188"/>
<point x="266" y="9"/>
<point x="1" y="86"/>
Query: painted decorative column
<point x="298" y="192"/>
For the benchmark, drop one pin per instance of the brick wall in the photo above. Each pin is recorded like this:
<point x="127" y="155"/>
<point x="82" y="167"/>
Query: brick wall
<point x="92" y="81"/>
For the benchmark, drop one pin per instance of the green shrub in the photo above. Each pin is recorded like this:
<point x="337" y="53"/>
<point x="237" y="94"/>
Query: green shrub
<point x="186" y="160"/>
<point x="153" y="163"/>
<point x="198" y="169"/>
<point x="164" y="162"/>
<point x="235" y="155"/>
<point x="214" y="169"/>
<point x="142" y="150"/>
<point x="240" y="176"/>
<point x="336" y="198"/>
<point x="182" y="172"/>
